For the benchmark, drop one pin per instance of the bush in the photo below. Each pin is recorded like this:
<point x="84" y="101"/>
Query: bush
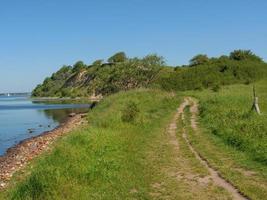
<point x="216" y="88"/>
<point x="130" y="112"/>
<point x="118" y="57"/>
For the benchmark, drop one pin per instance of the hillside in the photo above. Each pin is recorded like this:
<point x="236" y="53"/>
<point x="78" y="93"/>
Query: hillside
<point x="121" y="73"/>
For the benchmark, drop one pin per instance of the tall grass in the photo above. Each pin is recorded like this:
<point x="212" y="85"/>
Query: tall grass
<point x="227" y="114"/>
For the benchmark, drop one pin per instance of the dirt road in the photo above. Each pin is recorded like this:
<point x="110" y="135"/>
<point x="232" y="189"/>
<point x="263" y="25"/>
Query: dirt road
<point x="193" y="171"/>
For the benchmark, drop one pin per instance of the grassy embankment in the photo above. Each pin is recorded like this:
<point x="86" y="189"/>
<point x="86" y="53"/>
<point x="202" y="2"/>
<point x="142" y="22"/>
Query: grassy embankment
<point x="234" y="139"/>
<point x="108" y="159"/>
<point x="112" y="159"/>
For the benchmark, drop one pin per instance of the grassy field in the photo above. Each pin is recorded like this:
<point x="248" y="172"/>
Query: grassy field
<point x="109" y="159"/>
<point x="233" y="139"/>
<point x="125" y="152"/>
<point x="227" y="114"/>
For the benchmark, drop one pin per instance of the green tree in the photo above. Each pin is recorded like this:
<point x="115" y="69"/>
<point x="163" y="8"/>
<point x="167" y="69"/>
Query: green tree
<point x="199" y="60"/>
<point x="62" y="73"/>
<point x="244" y="55"/>
<point x="37" y="91"/>
<point x="64" y="69"/>
<point x="78" y="66"/>
<point x="97" y="62"/>
<point x="118" y="57"/>
<point x="153" y="60"/>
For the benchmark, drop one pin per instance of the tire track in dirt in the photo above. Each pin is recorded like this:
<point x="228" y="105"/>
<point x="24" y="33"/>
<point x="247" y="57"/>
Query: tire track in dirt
<point x="216" y="177"/>
<point x="173" y="125"/>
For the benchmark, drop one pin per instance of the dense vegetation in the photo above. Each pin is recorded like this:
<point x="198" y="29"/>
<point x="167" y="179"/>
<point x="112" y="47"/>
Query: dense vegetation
<point x="203" y="72"/>
<point x="122" y="73"/>
<point x="119" y="73"/>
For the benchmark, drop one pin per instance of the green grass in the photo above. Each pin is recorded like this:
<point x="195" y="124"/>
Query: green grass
<point x="108" y="159"/>
<point x="235" y="166"/>
<point x="125" y="152"/>
<point x="227" y="114"/>
<point x="232" y="138"/>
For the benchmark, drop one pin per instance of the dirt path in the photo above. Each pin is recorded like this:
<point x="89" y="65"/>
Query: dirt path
<point x="214" y="174"/>
<point x="179" y="174"/>
<point x="173" y="125"/>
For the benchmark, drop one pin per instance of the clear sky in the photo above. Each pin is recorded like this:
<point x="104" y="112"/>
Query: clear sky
<point x="38" y="36"/>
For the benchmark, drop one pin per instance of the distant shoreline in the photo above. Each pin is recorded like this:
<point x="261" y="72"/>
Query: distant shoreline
<point x="93" y="98"/>
<point x="64" y="98"/>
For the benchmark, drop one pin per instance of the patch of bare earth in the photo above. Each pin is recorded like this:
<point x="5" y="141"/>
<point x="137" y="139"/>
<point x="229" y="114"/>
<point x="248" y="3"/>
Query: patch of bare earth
<point x="173" y="126"/>
<point x="20" y="155"/>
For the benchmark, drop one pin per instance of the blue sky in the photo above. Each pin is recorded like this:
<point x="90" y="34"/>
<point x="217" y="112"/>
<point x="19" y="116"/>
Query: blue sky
<point x="38" y="36"/>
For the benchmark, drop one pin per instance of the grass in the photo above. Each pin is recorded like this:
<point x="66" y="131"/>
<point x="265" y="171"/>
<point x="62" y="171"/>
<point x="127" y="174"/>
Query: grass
<point x="228" y="115"/>
<point x="108" y="159"/>
<point x="125" y="151"/>
<point x="233" y="139"/>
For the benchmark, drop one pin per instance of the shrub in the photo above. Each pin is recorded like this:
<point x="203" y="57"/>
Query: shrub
<point x="244" y="55"/>
<point x="216" y="88"/>
<point x="78" y="66"/>
<point x="118" y="57"/>
<point x="199" y="60"/>
<point x="130" y="112"/>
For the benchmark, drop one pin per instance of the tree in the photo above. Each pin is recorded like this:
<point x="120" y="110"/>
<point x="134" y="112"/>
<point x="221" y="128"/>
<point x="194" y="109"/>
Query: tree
<point x="244" y="55"/>
<point x="64" y="69"/>
<point x="62" y="73"/>
<point x="118" y="57"/>
<point x="97" y="62"/>
<point x="153" y="60"/>
<point x="37" y="91"/>
<point x="78" y="66"/>
<point x="199" y="60"/>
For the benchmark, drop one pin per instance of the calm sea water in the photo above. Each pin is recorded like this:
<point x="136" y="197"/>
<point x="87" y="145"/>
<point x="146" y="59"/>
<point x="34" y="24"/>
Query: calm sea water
<point x="21" y="118"/>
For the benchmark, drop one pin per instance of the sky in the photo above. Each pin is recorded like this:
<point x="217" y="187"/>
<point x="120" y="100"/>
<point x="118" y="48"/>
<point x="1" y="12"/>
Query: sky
<point x="38" y="36"/>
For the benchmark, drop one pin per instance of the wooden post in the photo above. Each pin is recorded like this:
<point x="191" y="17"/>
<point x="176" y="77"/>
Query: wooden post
<point x="255" y="105"/>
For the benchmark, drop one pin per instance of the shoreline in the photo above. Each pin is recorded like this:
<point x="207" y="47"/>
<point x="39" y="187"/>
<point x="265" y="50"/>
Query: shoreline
<point x="21" y="154"/>
<point x="91" y="99"/>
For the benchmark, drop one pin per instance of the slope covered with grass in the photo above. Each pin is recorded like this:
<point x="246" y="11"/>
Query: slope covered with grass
<point x="108" y="159"/>
<point x="227" y="114"/>
<point x="232" y="137"/>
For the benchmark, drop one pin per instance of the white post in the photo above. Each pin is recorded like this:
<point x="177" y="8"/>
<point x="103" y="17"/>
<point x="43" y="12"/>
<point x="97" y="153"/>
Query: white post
<point x="255" y="105"/>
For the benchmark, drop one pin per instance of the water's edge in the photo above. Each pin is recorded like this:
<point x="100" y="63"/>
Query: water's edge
<point x="20" y="154"/>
